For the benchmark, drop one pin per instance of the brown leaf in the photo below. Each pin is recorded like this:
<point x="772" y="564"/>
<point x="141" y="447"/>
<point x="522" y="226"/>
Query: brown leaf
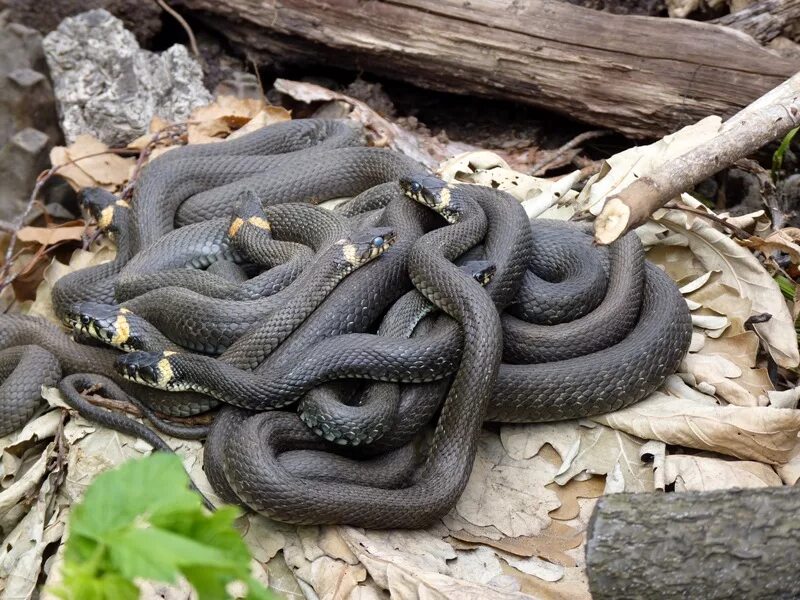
<point x="759" y="433"/>
<point x="569" y="494"/>
<point x="48" y="236"/>
<point x="573" y="586"/>
<point x="92" y="164"/>
<point x="228" y="106"/>
<point x="550" y="544"/>
<point x="784" y="240"/>
<point x="268" y="116"/>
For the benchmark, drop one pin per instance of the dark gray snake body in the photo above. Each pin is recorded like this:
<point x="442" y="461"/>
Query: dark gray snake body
<point x="561" y="330"/>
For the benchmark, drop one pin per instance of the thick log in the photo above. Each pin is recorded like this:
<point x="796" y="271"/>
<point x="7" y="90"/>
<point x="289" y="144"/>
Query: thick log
<point x="642" y="76"/>
<point x="723" y="544"/>
<point x="764" y="20"/>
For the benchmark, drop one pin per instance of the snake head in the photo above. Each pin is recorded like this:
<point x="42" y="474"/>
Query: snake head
<point x="434" y="193"/>
<point x="248" y="210"/>
<point x="363" y="246"/>
<point x="481" y="271"/>
<point x="101" y="206"/>
<point x="113" y="325"/>
<point x="153" y="369"/>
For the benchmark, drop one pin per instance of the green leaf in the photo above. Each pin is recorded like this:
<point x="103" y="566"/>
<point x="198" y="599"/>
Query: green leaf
<point x="777" y="157"/>
<point x="141" y="521"/>
<point x="80" y="585"/>
<point x="139" y="488"/>
<point x="159" y="555"/>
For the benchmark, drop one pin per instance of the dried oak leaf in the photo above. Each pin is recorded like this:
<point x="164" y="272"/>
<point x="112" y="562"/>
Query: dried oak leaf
<point x="757" y="433"/>
<point x="88" y="163"/>
<point x="506" y="493"/>
<point x="550" y="544"/>
<point x="605" y="451"/>
<point x="742" y="272"/>
<point x="702" y="473"/>
<point x="571" y="491"/>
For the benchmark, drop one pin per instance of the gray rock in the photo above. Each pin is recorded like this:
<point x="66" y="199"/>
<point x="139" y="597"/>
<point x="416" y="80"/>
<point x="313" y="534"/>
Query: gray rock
<point x="22" y="158"/>
<point x="142" y="17"/>
<point x="28" y="119"/>
<point x="106" y="85"/>
<point x="26" y="98"/>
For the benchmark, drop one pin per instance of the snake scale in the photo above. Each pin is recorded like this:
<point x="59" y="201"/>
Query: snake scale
<point x="350" y="355"/>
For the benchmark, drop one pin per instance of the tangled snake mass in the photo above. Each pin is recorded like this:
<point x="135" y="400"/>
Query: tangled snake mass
<point x="349" y="355"/>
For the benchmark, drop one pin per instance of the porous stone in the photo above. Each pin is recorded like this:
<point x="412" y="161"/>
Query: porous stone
<point x="107" y="86"/>
<point x="28" y="119"/>
<point x="143" y="17"/>
<point x="23" y="157"/>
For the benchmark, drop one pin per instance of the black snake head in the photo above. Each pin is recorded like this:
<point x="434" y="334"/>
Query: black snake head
<point x="434" y="193"/>
<point x="113" y="325"/>
<point x="363" y="246"/>
<point x="102" y="206"/>
<point x="248" y="211"/>
<point x="153" y="369"/>
<point x="481" y="271"/>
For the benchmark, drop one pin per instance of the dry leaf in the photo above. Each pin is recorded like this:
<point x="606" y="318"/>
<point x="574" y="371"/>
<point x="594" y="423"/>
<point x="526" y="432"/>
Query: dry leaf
<point x="724" y="300"/>
<point x="523" y="441"/>
<point x="784" y="240"/>
<point x="383" y="132"/>
<point x="569" y="494"/>
<point x="789" y="472"/>
<point x="93" y="164"/>
<point x="267" y="116"/>
<point x="639" y="161"/>
<point x="604" y="451"/>
<point x="49" y="236"/>
<point x="487" y="168"/>
<point x="721" y="373"/>
<point x="507" y="493"/>
<point x="550" y="544"/>
<point x="42" y="305"/>
<point x="785" y="398"/>
<point x="742" y="272"/>
<point x="751" y="433"/>
<point x="700" y="473"/>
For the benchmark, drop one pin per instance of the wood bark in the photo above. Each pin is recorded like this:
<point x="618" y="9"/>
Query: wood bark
<point x="642" y="76"/>
<point x="765" y="20"/>
<point x="767" y="119"/>
<point x="722" y="544"/>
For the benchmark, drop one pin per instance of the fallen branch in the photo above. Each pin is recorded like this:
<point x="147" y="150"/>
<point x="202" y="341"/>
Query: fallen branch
<point x="765" y="120"/>
<point x="721" y="544"/>
<point x="763" y="20"/>
<point x="657" y="77"/>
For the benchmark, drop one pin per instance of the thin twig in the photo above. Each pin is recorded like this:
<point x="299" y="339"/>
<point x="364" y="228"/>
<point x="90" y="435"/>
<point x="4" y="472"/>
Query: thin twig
<point x="183" y="23"/>
<point x="738" y="232"/>
<point x="44" y="176"/>
<point x="554" y="155"/>
<point x="174" y="131"/>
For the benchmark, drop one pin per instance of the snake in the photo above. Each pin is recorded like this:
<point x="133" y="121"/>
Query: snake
<point x="560" y="330"/>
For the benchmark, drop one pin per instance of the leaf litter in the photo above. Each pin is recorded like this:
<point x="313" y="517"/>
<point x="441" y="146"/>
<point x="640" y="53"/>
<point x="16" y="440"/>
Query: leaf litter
<point x="518" y="530"/>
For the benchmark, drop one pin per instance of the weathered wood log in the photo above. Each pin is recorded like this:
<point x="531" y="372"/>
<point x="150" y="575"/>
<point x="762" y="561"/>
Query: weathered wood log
<point x="642" y="76"/>
<point x="723" y="544"/>
<point x="765" y="20"/>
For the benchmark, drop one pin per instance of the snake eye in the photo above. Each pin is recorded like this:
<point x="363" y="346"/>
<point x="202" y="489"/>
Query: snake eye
<point x="85" y="320"/>
<point x="416" y="187"/>
<point x="378" y="241"/>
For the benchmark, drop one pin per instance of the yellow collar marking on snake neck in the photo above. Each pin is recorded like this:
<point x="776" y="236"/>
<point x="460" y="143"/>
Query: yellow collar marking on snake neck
<point x="236" y="225"/>
<point x="445" y="196"/>
<point x="165" y="369"/>
<point x="350" y="252"/>
<point x="122" y="204"/>
<point x="122" y="331"/>
<point x="260" y="222"/>
<point x="106" y="216"/>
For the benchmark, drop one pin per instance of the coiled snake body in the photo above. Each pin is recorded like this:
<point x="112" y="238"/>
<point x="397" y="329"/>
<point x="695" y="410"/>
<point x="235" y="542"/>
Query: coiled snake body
<point x="560" y="330"/>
